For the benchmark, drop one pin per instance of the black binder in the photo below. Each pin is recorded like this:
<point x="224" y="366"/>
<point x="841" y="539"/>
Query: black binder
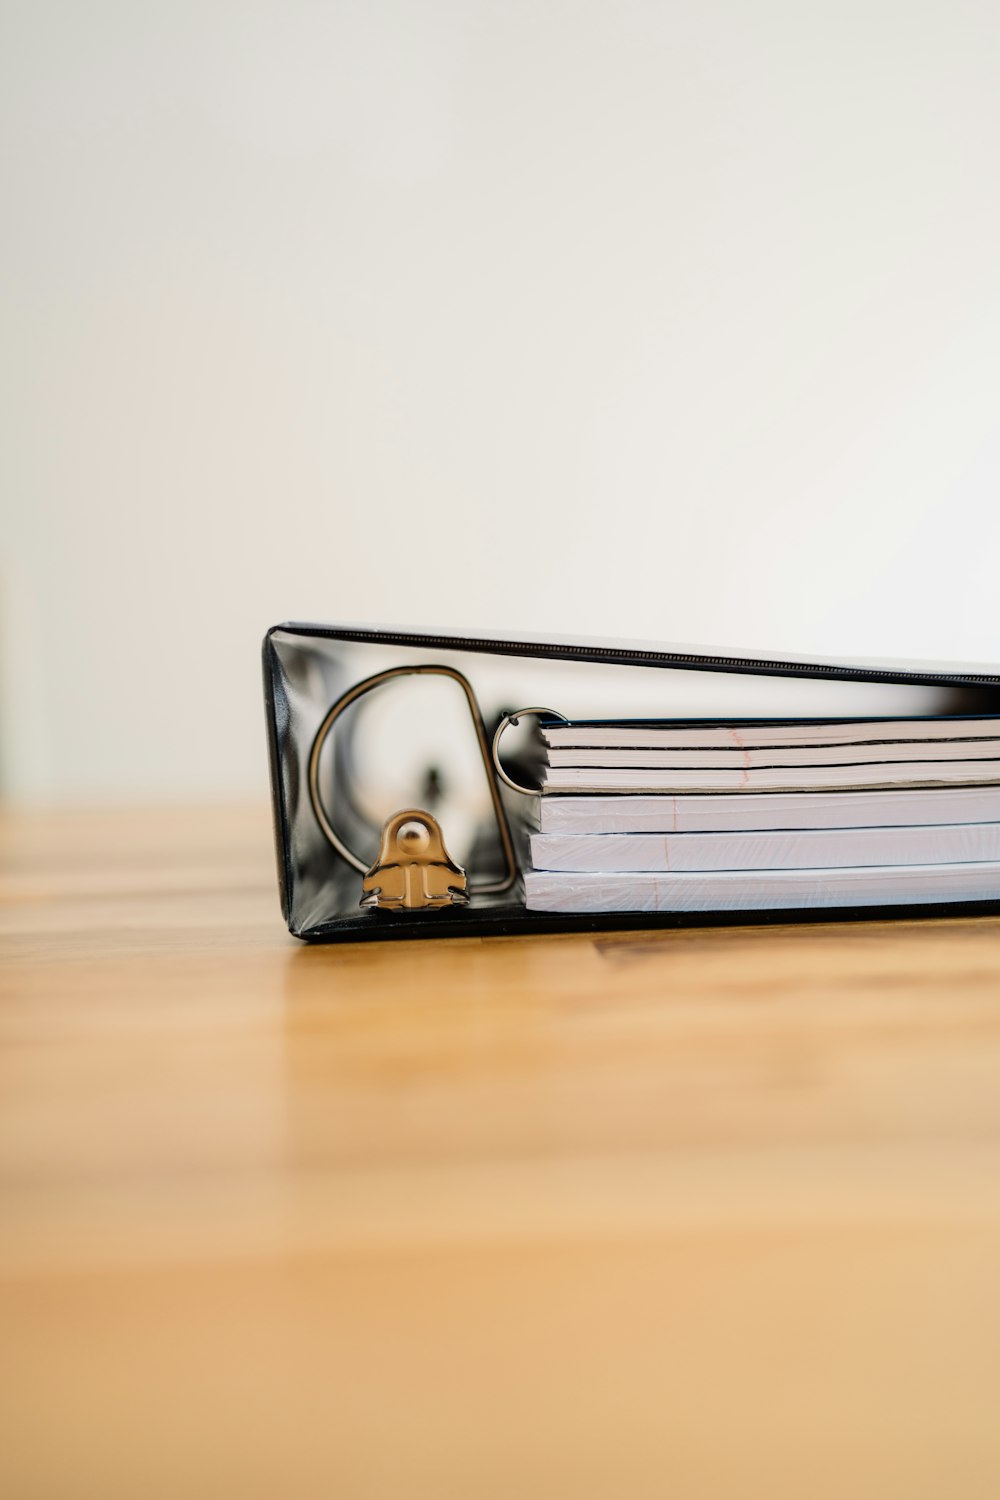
<point x="320" y="682"/>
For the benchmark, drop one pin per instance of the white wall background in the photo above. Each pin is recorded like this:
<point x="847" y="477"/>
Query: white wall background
<point x="675" y="319"/>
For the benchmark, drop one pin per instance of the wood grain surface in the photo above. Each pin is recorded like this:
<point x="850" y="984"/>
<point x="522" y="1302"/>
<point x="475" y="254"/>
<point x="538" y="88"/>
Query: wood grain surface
<point x="688" y="1214"/>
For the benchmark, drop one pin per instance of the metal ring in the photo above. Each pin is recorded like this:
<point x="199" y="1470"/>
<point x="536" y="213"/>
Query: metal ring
<point x="358" y="691"/>
<point x="551" y="713"/>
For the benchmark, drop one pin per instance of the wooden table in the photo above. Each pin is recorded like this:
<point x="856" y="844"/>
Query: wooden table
<point x="684" y="1214"/>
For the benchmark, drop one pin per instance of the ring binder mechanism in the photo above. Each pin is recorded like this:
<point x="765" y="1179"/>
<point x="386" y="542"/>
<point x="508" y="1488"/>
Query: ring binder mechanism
<point x="412" y="843"/>
<point x="332" y="793"/>
<point x="414" y="869"/>
<point x="511" y="721"/>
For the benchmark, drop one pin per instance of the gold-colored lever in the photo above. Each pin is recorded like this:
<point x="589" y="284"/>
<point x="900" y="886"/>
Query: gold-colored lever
<point x="413" y="868"/>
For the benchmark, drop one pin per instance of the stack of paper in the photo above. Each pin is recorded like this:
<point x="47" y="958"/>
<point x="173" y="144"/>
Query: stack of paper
<point x="758" y="815"/>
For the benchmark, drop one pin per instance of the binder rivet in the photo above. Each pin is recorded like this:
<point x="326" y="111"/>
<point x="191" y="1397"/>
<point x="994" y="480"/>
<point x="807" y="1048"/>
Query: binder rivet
<point x="413" y="838"/>
<point x="413" y="869"/>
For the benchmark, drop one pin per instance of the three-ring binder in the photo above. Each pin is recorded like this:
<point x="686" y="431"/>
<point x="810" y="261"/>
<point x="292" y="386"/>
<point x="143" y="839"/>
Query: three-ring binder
<point x="392" y="872"/>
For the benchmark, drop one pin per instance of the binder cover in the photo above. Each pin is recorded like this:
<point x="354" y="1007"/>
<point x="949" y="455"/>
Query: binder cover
<point x="395" y="746"/>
